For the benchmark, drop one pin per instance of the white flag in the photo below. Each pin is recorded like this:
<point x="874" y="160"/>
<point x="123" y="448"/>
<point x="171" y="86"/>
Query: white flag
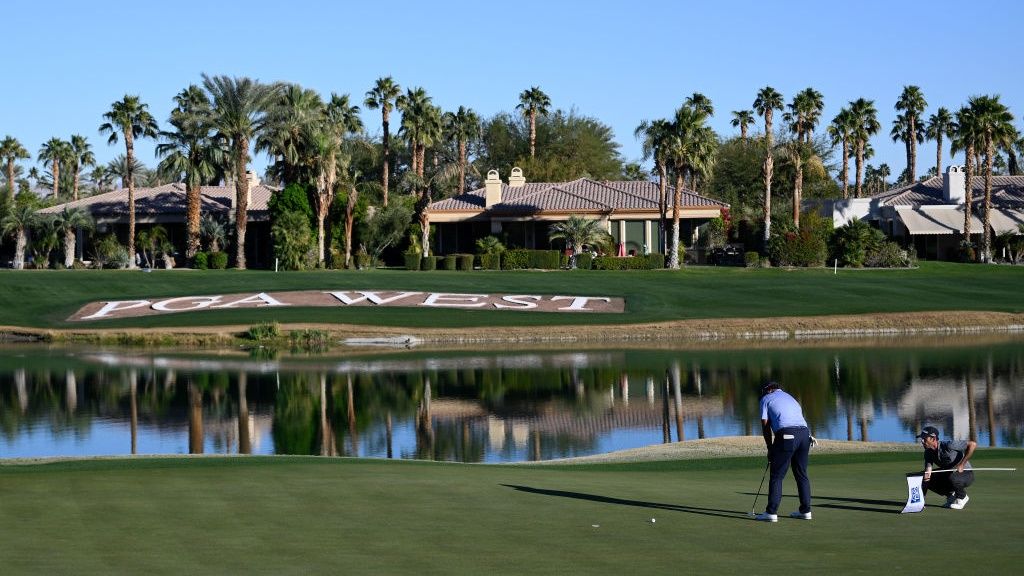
<point x="915" y="496"/>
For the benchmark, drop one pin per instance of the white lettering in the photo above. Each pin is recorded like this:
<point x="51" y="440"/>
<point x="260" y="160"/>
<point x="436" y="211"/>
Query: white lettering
<point x="455" y="300"/>
<point x="119" y="305"/>
<point x="578" y="302"/>
<point x="262" y="297"/>
<point x="371" y="297"/>
<point x="194" y="303"/>
<point x="515" y="300"/>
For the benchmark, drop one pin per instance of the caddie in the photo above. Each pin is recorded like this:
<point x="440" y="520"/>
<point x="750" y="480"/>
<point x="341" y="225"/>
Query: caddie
<point x="946" y="455"/>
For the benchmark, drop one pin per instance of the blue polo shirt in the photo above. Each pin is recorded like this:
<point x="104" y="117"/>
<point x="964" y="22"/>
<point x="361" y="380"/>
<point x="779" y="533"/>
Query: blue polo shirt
<point x="782" y="411"/>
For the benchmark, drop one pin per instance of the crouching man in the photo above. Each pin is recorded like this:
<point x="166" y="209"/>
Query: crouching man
<point x="951" y="454"/>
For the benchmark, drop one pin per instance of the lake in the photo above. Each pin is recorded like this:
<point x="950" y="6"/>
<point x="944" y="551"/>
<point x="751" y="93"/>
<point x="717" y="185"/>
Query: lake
<point x="507" y="405"/>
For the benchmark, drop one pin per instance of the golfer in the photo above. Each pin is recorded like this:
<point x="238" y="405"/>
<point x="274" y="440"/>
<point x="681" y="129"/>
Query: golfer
<point x="788" y="441"/>
<point x="951" y="454"/>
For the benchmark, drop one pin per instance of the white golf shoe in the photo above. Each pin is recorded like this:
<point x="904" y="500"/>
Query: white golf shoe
<point x="800" y="515"/>
<point x="766" y="517"/>
<point x="959" y="503"/>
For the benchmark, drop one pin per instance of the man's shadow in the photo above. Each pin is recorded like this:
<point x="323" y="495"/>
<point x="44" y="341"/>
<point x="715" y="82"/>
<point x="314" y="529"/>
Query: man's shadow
<point x="731" y="514"/>
<point x="830" y="502"/>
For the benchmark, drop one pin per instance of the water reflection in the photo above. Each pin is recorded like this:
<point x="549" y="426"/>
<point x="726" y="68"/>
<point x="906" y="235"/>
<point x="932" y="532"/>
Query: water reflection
<point x="477" y="406"/>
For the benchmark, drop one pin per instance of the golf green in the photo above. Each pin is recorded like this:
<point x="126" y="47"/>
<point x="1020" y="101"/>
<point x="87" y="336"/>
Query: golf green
<point x="292" y="515"/>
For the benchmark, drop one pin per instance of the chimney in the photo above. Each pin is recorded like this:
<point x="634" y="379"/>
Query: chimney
<point x="253" y="179"/>
<point x="492" y="188"/>
<point x="953" y="182"/>
<point x="516" y="180"/>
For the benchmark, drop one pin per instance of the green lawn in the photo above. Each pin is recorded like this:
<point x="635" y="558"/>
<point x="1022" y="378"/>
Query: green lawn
<point x="44" y="298"/>
<point x="305" y="515"/>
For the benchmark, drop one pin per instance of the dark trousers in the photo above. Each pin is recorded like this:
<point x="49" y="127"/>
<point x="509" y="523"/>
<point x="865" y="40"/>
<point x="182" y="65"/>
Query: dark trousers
<point x="949" y="483"/>
<point x="789" y="447"/>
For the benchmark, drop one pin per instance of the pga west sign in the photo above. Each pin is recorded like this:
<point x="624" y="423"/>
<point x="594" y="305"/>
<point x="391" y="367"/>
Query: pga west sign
<point x="108" y="310"/>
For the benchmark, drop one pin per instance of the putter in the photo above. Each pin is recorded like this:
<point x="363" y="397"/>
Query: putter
<point x="760" y="486"/>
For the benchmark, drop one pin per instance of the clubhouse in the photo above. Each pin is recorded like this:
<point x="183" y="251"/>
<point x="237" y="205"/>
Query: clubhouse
<point x="520" y="213"/>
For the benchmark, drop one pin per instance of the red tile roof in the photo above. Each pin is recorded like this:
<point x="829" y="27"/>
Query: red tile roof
<point x="167" y="203"/>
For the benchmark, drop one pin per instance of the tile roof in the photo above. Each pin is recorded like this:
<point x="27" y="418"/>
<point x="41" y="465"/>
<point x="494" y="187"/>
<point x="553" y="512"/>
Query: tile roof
<point x="1007" y="192"/>
<point x="581" y="195"/>
<point x="167" y="202"/>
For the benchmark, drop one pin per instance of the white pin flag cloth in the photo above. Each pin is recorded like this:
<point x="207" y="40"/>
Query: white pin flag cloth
<point x="915" y="495"/>
<point x="915" y="498"/>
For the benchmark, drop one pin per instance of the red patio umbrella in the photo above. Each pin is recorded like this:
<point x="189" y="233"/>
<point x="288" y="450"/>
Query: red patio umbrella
<point x="622" y="249"/>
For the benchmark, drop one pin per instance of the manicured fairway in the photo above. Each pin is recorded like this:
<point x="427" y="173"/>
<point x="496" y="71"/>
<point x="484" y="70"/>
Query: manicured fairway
<point x="45" y="298"/>
<point x="299" y="515"/>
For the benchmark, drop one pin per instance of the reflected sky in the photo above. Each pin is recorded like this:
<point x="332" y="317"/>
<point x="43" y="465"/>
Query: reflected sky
<point x="488" y="406"/>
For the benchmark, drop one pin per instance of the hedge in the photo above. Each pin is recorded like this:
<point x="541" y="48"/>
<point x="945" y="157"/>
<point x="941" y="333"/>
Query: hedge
<point x="655" y="261"/>
<point x="491" y="261"/>
<point x="412" y="260"/>
<point x="218" y="260"/>
<point x="465" y="261"/>
<point x="520" y="259"/>
<point x="201" y="261"/>
<point x="449" y="262"/>
<point x="429" y="263"/>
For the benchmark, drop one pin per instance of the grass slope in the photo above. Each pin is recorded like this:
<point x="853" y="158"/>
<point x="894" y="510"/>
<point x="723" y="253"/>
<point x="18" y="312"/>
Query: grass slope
<point x="297" y="515"/>
<point x="45" y="298"/>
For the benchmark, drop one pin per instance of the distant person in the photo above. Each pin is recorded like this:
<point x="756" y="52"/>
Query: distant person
<point x="788" y="441"/>
<point x="951" y="454"/>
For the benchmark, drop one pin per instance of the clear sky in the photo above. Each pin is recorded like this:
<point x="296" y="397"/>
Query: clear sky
<point x="620" y="62"/>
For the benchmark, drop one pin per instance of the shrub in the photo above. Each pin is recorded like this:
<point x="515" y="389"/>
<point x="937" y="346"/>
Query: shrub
<point x="412" y="260"/>
<point x="109" y="253"/>
<point x="752" y="259"/>
<point x="853" y="242"/>
<point x="803" y="248"/>
<point x="309" y="340"/>
<point x="429" y="263"/>
<point x="449" y="262"/>
<point x="888" y="255"/>
<point x="585" y="261"/>
<point x="517" y="259"/>
<point x="545" y="259"/>
<point x="263" y="331"/>
<point x="466" y="261"/>
<point x="201" y="261"/>
<point x="654" y="261"/>
<point x="490" y="261"/>
<point x="489" y="245"/>
<point x="218" y="260"/>
<point x="293" y="240"/>
<point x="363" y="260"/>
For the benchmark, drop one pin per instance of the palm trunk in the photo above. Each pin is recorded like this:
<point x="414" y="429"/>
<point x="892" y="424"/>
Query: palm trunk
<point x="69" y="247"/>
<point x="56" y="179"/>
<point x="673" y="258"/>
<point x="533" y="130"/>
<point x="663" y="204"/>
<point x="10" y="179"/>
<point x="350" y="209"/>
<point x="769" y="165"/>
<point x="743" y="132"/>
<point x="129" y="158"/>
<point x="912" y="167"/>
<point x="241" y="200"/>
<point x="19" y="249"/>
<point x="387" y="152"/>
<point x="192" y="208"/>
<point x="986" y="245"/>
<point x="425" y="231"/>
<point x="462" y="165"/>
<point x="798" y="190"/>
<point x="846" y="168"/>
<point x="968" y="190"/>
<point x="244" y="440"/>
<point x="74" y="187"/>
<point x="859" y="165"/>
<point x="938" y="155"/>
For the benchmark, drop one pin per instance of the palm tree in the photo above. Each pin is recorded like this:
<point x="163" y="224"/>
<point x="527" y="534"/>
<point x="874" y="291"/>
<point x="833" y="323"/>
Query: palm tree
<point x="687" y="149"/>
<point x="383" y="95"/>
<point x="11" y="151"/>
<point x="81" y="156"/>
<point x="578" y="231"/>
<point x="119" y="167"/>
<point x="340" y="119"/>
<point x="939" y="125"/>
<point x="239" y="115"/>
<point x="130" y="119"/>
<point x="533" y="102"/>
<point x="463" y="126"/>
<point x="865" y="125"/>
<point x="54" y="152"/>
<point x="294" y="115"/>
<point x="995" y="124"/>
<point x="768" y="100"/>
<point x="657" y="135"/>
<point x="213" y="231"/>
<point x="417" y="124"/>
<point x="190" y="151"/>
<point x="67" y="223"/>
<point x="742" y="119"/>
<point x="700" y="103"/>
<point x="841" y="131"/>
<point x="804" y="113"/>
<point x="101" y="177"/>
<point x="912" y="104"/>
<point x="17" y="222"/>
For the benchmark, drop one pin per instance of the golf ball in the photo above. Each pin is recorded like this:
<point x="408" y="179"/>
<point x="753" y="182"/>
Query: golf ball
<point x="653" y="520"/>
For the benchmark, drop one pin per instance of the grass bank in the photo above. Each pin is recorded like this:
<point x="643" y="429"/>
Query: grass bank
<point x="280" y="515"/>
<point x="44" y="299"/>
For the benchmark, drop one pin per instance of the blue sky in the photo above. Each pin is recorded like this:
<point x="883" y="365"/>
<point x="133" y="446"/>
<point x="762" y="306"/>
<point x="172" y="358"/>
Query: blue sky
<point x="621" y="62"/>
